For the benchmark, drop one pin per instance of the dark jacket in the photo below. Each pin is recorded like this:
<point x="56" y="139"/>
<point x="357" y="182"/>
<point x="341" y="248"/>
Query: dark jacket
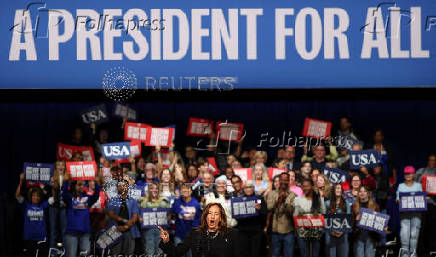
<point x="255" y="223"/>
<point x="201" y="246"/>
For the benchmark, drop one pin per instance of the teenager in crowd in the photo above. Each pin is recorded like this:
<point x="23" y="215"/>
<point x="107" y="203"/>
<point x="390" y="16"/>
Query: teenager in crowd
<point x="250" y="229"/>
<point x="364" y="240"/>
<point x="57" y="213"/>
<point x="429" y="222"/>
<point x="213" y="238"/>
<point x="221" y="196"/>
<point x="410" y="221"/>
<point x="260" y="177"/>
<point x="336" y="241"/>
<point x="78" y="220"/>
<point x="167" y="186"/>
<point x="305" y="171"/>
<point x="314" y="176"/>
<point x="280" y="208"/>
<point x="150" y="236"/>
<point x="237" y="186"/>
<point x="323" y="186"/>
<point x="187" y="213"/>
<point x="34" y="218"/>
<point x="123" y="212"/>
<point x="293" y="184"/>
<point x="309" y="204"/>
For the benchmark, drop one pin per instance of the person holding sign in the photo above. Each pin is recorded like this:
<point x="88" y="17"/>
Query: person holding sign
<point x="123" y="212"/>
<point x="150" y="235"/>
<point x="251" y="228"/>
<point x="212" y="238"/>
<point x="337" y="242"/>
<point x="34" y="217"/>
<point x="309" y="204"/>
<point x="364" y="239"/>
<point x="410" y="221"/>
<point x="188" y="212"/>
<point x="78" y="220"/>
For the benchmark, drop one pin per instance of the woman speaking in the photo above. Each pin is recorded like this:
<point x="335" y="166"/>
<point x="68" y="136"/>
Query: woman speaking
<point x="212" y="239"/>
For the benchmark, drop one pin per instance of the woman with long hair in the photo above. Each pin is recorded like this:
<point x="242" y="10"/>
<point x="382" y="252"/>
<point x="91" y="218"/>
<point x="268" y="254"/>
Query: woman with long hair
<point x="212" y="238"/>
<point x="152" y="200"/>
<point x="323" y="186"/>
<point x="57" y="213"/>
<point x="337" y="242"/>
<point x="78" y="204"/>
<point x="261" y="180"/>
<point x="363" y="239"/>
<point x="167" y="186"/>
<point x="309" y="204"/>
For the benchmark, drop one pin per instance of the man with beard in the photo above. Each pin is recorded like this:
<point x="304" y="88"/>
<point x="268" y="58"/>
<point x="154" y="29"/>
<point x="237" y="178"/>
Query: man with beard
<point x="280" y="208"/>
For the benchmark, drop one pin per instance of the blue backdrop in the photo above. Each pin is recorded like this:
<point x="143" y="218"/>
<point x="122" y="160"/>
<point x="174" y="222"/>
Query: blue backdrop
<point x="258" y="44"/>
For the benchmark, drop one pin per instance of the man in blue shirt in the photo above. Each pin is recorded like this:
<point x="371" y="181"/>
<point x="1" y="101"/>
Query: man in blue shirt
<point x="123" y="212"/>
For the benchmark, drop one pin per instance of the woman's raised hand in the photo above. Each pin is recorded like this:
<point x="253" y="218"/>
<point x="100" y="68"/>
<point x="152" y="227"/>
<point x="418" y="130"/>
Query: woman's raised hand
<point x="164" y="235"/>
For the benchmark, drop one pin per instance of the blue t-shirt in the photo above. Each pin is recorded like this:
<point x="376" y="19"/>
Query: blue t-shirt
<point x="187" y="216"/>
<point x="34" y="221"/>
<point x="78" y="222"/>
<point x="402" y="188"/>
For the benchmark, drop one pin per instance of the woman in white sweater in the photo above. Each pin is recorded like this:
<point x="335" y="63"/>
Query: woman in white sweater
<point x="309" y="204"/>
<point x="221" y="196"/>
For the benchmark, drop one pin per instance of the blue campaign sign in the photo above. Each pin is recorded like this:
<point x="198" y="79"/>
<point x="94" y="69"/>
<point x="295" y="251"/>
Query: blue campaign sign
<point x="116" y="151"/>
<point x="413" y="201"/>
<point x="152" y="217"/>
<point x="38" y="172"/>
<point x="136" y="192"/>
<point x="95" y="114"/>
<point x="367" y="158"/>
<point x="109" y="238"/>
<point x="243" y="207"/>
<point x="336" y="175"/>
<point x="217" y="45"/>
<point x="338" y="222"/>
<point x="373" y="221"/>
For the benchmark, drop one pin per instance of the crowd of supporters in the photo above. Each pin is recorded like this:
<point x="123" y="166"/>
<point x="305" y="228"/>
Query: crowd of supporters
<point x="65" y="216"/>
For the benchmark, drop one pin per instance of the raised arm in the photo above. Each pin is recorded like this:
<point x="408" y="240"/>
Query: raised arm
<point x="170" y="249"/>
<point x="18" y="191"/>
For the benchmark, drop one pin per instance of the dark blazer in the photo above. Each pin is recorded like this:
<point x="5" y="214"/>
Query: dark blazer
<point x="221" y="246"/>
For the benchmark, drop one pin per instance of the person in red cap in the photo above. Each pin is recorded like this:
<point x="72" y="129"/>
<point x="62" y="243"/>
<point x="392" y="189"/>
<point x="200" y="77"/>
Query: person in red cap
<point x="411" y="220"/>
